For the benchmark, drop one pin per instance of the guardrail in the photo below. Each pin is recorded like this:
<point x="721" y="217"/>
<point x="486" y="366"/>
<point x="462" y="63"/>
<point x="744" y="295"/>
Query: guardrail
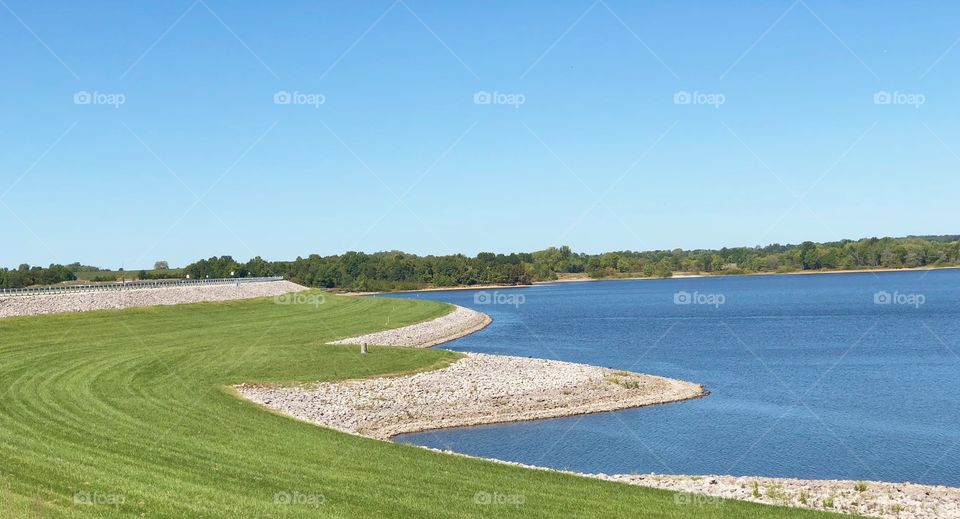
<point x="131" y="285"/>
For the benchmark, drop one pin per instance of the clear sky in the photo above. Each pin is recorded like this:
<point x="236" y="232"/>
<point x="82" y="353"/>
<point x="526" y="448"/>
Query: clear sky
<point x="175" y="130"/>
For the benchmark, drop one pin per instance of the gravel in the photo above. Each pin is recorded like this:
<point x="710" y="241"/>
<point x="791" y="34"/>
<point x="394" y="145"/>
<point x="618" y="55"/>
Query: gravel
<point x="461" y="321"/>
<point x="11" y="306"/>
<point x="477" y="389"/>
<point x="867" y="498"/>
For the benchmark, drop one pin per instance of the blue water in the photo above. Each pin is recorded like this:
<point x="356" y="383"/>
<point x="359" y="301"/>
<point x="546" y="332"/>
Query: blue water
<point x="809" y="377"/>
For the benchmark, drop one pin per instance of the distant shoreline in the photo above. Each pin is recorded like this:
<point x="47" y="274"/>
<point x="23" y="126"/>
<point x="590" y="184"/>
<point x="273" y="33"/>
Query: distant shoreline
<point x="580" y="279"/>
<point x="683" y="275"/>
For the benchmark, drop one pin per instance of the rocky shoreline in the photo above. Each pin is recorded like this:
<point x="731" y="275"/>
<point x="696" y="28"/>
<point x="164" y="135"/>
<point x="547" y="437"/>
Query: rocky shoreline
<point x="482" y="389"/>
<point x="458" y="323"/>
<point x="23" y="305"/>
<point x="867" y="498"/>
<point x="477" y="389"/>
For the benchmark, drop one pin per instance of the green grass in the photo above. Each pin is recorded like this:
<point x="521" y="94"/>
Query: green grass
<point x="128" y="414"/>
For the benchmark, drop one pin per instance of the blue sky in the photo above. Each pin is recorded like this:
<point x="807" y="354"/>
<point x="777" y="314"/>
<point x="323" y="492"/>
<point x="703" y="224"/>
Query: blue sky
<point x="134" y="132"/>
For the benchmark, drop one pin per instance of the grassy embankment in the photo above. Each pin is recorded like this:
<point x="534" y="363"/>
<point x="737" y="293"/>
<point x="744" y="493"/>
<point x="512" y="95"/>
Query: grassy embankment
<point x="126" y="414"/>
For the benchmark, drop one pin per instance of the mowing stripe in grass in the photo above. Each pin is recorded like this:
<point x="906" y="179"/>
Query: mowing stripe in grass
<point x="128" y="414"/>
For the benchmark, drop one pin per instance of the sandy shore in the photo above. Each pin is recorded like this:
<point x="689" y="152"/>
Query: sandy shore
<point x="484" y="389"/>
<point x="22" y="305"/>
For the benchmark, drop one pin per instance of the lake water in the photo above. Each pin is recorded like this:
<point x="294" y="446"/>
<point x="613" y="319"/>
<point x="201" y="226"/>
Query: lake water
<point x="848" y="376"/>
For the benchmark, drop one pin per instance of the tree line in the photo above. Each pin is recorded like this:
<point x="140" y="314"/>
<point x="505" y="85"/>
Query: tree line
<point x="395" y="270"/>
<point x="26" y="275"/>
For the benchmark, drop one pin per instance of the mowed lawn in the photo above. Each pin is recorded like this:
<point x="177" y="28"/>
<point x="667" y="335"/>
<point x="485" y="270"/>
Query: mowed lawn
<point x="128" y="414"/>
